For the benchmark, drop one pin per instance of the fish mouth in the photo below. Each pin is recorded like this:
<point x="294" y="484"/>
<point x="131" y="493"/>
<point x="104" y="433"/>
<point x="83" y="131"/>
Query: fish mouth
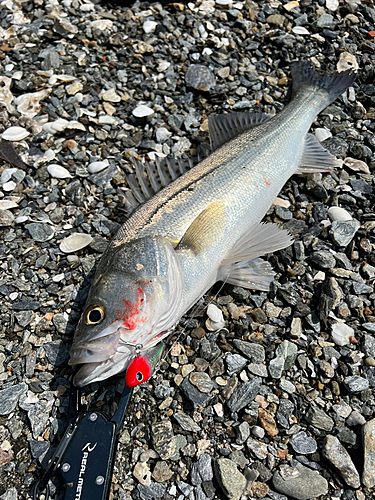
<point x="95" y="351"/>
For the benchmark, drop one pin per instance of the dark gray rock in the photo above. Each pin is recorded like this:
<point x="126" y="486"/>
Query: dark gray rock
<point x="40" y="232"/>
<point x="202" y="470"/>
<point x="200" y="77"/>
<point x="255" y="352"/>
<point x="201" y="381"/>
<point x="9" y="397"/>
<point x="303" y="444"/>
<point x="232" y="482"/>
<point x="155" y="490"/>
<point x="235" y="363"/>
<point x="57" y="354"/>
<point x="244" y="394"/>
<point x="164" y="439"/>
<point x="299" y="482"/>
<point x="196" y="397"/>
<point x="355" y="384"/>
<point x="186" y="422"/>
<point x="317" y="417"/>
<point x="334" y="451"/>
<point x="342" y="232"/>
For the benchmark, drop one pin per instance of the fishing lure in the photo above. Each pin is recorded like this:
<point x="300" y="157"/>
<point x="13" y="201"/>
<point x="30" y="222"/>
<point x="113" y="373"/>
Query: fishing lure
<point x="143" y="366"/>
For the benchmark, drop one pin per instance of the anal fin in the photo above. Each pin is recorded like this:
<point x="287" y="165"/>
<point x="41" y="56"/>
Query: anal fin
<point x="315" y="158"/>
<point x="243" y="267"/>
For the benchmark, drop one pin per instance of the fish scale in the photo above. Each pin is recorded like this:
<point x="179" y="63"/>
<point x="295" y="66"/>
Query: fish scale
<point x="203" y="227"/>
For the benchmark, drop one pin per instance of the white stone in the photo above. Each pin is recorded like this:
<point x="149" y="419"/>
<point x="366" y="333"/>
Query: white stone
<point x="142" y="110"/>
<point x="58" y="172"/>
<point x="97" y="166"/>
<point x="338" y="213"/>
<point x="102" y="24"/>
<point x="149" y="26"/>
<point x="341" y="334"/>
<point x="58" y="277"/>
<point x="322" y="134"/>
<point x="215" y="318"/>
<point x="300" y="30"/>
<point x="163" y="65"/>
<point x="347" y="61"/>
<point x="15" y="134"/>
<point x="162" y="134"/>
<point x="75" y="242"/>
<point x="332" y="4"/>
<point x="7" y="204"/>
<point x="110" y="96"/>
<point x="9" y="186"/>
<point x="357" y="165"/>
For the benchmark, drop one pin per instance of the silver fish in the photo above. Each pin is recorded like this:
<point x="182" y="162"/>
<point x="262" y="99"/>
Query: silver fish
<point x="203" y="227"/>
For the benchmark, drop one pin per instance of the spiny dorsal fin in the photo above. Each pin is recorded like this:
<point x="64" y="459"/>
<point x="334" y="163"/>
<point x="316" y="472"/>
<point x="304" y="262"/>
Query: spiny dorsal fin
<point x="152" y="176"/>
<point x="315" y="158"/>
<point x="223" y="128"/>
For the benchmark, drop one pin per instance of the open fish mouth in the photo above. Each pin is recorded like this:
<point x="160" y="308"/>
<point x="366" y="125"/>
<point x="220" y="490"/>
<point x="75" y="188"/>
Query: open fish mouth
<point x="95" y="351"/>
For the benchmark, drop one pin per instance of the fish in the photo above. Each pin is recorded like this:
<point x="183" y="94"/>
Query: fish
<point x="196" y="226"/>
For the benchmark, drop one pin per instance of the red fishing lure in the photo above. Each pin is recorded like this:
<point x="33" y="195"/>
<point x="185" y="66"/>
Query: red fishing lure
<point x="143" y="366"/>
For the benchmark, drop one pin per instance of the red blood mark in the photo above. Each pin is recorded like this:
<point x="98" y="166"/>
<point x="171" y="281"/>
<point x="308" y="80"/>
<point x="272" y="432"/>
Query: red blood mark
<point x="266" y="182"/>
<point x="139" y="371"/>
<point x="130" y="311"/>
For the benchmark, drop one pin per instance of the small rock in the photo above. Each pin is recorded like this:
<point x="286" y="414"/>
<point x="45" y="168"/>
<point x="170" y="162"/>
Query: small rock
<point x="267" y="421"/>
<point x="201" y="471"/>
<point x="342" y="232"/>
<point x="163" y="439"/>
<point x="186" y="422"/>
<point x="235" y="363"/>
<point x="299" y="482"/>
<point x="142" y="473"/>
<point x="10" y="396"/>
<point x="232" y="482"/>
<point x="325" y="21"/>
<point x="202" y="381"/>
<point x="259" y="449"/>
<point x="355" y="384"/>
<point x="368" y="434"/>
<point x="155" y="490"/>
<point x="40" y="232"/>
<point x="303" y="444"/>
<point x="10" y="494"/>
<point x="200" y="77"/>
<point x="259" y="490"/>
<point x="142" y="110"/>
<point x="319" y="418"/>
<point x="162" y="472"/>
<point x="334" y="451"/>
<point x="244" y="394"/>
<point x="341" y="334"/>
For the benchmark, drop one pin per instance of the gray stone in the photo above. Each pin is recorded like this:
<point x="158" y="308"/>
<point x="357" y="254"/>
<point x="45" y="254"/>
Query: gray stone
<point x="56" y="354"/>
<point x="235" y="363"/>
<point x="163" y="439"/>
<point x="39" y="448"/>
<point x="232" y="482"/>
<point x="202" y="470"/>
<point x="196" y="397"/>
<point x="355" y="384"/>
<point x="40" y="232"/>
<point x="6" y="218"/>
<point x="202" y="381"/>
<point x="244" y="394"/>
<point x="186" y="422"/>
<point x="259" y="449"/>
<point x="370" y="327"/>
<point x="243" y="432"/>
<point x="277" y="19"/>
<point x="185" y="488"/>
<point x="24" y="317"/>
<point x="317" y="417"/>
<point x="342" y="232"/>
<point x="287" y="386"/>
<point x="258" y="369"/>
<point x="255" y="352"/>
<point x="276" y="367"/>
<point x="368" y="435"/>
<point x="334" y="451"/>
<point x="359" y="288"/>
<point x="10" y="494"/>
<point x="299" y="482"/>
<point x="155" y="490"/>
<point x="103" y="178"/>
<point x="303" y="444"/>
<point x="325" y="21"/>
<point x="10" y="396"/>
<point x="200" y="77"/>
<point x="288" y="351"/>
<point x="38" y="416"/>
<point x="355" y="418"/>
<point x="323" y="259"/>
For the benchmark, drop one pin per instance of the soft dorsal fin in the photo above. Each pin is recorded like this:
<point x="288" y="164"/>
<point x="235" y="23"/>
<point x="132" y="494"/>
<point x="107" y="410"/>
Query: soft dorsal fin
<point x="223" y="128"/>
<point x="152" y="176"/>
<point x="315" y="158"/>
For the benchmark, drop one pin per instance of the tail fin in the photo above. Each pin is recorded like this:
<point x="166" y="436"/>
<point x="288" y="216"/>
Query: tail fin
<point x="304" y="76"/>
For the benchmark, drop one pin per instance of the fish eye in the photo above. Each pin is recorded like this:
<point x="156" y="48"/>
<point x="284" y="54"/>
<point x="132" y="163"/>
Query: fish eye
<point x="94" y="314"/>
<point x="139" y="376"/>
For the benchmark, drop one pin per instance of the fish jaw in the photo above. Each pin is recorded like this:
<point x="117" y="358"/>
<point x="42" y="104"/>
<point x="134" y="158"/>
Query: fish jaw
<point x="139" y="297"/>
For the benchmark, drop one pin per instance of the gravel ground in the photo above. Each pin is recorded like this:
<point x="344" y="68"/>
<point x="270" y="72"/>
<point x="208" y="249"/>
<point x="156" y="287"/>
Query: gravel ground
<point x="281" y="403"/>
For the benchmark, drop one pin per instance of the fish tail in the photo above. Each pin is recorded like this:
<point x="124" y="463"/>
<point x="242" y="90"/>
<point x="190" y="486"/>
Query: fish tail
<point x="305" y="78"/>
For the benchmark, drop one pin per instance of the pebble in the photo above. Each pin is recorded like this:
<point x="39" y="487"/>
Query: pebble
<point x="142" y="111"/>
<point x="342" y="232"/>
<point x="200" y="77"/>
<point x="368" y="436"/>
<point x="303" y="444"/>
<point x="299" y="482"/>
<point x="162" y="472"/>
<point x="258" y="448"/>
<point x="244" y="394"/>
<point x="40" y="232"/>
<point x="186" y="422"/>
<point x="230" y="479"/>
<point x="142" y="473"/>
<point x="202" y="470"/>
<point x="355" y="384"/>
<point x="267" y="421"/>
<point x="341" y="334"/>
<point x="319" y="418"/>
<point x="163" y="439"/>
<point x="154" y="490"/>
<point x="340" y="458"/>
<point x="9" y="397"/>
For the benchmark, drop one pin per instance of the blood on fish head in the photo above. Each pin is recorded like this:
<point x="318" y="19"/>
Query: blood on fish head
<point x="134" y="298"/>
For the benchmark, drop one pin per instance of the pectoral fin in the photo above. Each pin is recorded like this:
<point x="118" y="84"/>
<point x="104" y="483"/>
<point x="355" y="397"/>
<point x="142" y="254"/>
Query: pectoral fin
<point x="206" y="230"/>
<point x="243" y="267"/>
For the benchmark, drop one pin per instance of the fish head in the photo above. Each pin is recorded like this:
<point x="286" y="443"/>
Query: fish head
<point x="132" y="303"/>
